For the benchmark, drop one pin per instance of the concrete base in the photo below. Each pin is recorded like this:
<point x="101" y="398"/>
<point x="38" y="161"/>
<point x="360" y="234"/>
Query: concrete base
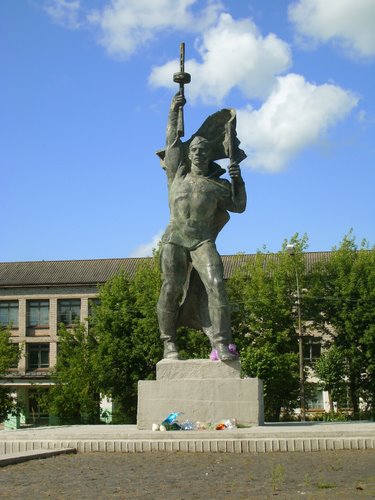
<point x="203" y="390"/>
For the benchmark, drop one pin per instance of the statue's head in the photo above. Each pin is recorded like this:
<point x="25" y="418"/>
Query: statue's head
<point x="199" y="155"/>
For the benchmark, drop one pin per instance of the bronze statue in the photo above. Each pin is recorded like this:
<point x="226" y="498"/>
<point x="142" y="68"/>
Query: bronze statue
<point x="193" y="291"/>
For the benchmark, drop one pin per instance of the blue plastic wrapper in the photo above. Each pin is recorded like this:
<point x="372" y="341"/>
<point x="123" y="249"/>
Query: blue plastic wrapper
<point x="171" y="417"/>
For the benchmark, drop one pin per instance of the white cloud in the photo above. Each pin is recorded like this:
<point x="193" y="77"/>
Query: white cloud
<point x="146" y="249"/>
<point x="64" y="12"/>
<point x="349" y="22"/>
<point x="233" y="54"/>
<point x="127" y="24"/>
<point x="296" y="114"/>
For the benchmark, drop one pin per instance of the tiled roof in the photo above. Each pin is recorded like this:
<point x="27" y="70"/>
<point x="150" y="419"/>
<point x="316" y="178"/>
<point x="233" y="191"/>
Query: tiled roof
<point x="64" y="272"/>
<point x="92" y="272"/>
<point x="233" y="262"/>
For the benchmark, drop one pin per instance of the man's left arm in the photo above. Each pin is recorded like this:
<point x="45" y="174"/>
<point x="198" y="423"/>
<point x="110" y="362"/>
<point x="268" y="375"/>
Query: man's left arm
<point x="238" y="190"/>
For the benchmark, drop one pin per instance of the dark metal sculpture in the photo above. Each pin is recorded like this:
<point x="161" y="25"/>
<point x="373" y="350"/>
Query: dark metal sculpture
<point x="193" y="291"/>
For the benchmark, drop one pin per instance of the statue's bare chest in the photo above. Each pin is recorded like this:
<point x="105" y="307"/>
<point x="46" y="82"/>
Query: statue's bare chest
<point x="195" y="197"/>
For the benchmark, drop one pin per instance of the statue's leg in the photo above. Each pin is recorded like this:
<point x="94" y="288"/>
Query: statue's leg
<point x="208" y="263"/>
<point x="174" y="266"/>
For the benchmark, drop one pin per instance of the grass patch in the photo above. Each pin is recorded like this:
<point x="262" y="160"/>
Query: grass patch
<point x="325" y="485"/>
<point x="277" y="476"/>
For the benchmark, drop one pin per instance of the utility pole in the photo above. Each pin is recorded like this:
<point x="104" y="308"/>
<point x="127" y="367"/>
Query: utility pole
<point x="292" y="251"/>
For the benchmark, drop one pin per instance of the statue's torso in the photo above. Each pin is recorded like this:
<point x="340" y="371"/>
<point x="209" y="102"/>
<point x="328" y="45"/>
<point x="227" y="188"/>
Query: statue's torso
<point x="194" y="197"/>
<point x="195" y="202"/>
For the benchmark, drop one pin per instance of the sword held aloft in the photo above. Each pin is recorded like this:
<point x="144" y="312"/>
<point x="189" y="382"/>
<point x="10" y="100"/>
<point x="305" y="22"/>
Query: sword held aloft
<point x="182" y="78"/>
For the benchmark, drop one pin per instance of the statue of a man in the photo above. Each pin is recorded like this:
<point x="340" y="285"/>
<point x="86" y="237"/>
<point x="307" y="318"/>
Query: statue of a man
<point x="193" y="291"/>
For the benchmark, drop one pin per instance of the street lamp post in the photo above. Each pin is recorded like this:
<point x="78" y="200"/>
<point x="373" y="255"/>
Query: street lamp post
<point x="292" y="251"/>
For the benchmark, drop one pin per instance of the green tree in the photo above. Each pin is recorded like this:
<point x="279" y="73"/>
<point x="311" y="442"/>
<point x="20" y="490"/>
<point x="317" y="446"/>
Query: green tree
<point x="126" y="329"/>
<point x="9" y="355"/>
<point x="75" y="397"/>
<point x="345" y="288"/>
<point x="263" y="295"/>
<point x="193" y="344"/>
<point x="331" y="368"/>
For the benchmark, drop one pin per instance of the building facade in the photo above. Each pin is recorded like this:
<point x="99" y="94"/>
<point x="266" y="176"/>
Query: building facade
<point x="35" y="297"/>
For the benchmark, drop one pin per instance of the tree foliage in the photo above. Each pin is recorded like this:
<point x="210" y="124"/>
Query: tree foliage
<point x="126" y="329"/>
<point x="345" y="287"/>
<point x="262" y="294"/>
<point x="331" y="369"/>
<point x="9" y="355"/>
<point x="75" y="396"/>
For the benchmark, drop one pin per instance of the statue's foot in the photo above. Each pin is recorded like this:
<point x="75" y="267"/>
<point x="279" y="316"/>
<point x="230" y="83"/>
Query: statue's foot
<point x="224" y="354"/>
<point x="170" y="350"/>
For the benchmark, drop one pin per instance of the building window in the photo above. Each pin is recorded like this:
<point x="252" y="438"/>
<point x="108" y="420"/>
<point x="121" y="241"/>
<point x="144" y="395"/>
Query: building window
<point x="37" y="415"/>
<point x="69" y="311"/>
<point x="312" y="349"/>
<point x="37" y="356"/>
<point x="38" y="313"/>
<point x="316" y="401"/>
<point x="9" y="313"/>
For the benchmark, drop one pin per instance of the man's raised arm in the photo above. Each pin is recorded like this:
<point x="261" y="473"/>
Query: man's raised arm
<point x="173" y="153"/>
<point x="178" y="101"/>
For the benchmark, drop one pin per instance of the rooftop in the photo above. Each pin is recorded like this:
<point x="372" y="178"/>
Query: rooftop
<point x="96" y="271"/>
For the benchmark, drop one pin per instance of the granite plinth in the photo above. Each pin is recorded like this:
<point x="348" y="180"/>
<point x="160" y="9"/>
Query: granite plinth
<point x="203" y="390"/>
<point x="168" y="369"/>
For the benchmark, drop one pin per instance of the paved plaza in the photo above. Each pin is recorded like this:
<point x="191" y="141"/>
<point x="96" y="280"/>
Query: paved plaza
<point x="298" y="436"/>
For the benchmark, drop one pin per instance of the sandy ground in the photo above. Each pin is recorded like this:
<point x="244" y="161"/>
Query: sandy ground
<point x="169" y="476"/>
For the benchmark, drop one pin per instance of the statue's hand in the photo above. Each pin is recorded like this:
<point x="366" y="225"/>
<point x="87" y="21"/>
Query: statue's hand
<point x="178" y="101"/>
<point x="235" y="172"/>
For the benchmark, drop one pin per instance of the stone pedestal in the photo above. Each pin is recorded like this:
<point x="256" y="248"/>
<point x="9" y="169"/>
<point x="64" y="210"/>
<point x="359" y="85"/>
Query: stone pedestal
<point x="204" y="390"/>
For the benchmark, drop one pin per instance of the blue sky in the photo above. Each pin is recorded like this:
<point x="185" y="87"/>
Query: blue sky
<point x="85" y="88"/>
